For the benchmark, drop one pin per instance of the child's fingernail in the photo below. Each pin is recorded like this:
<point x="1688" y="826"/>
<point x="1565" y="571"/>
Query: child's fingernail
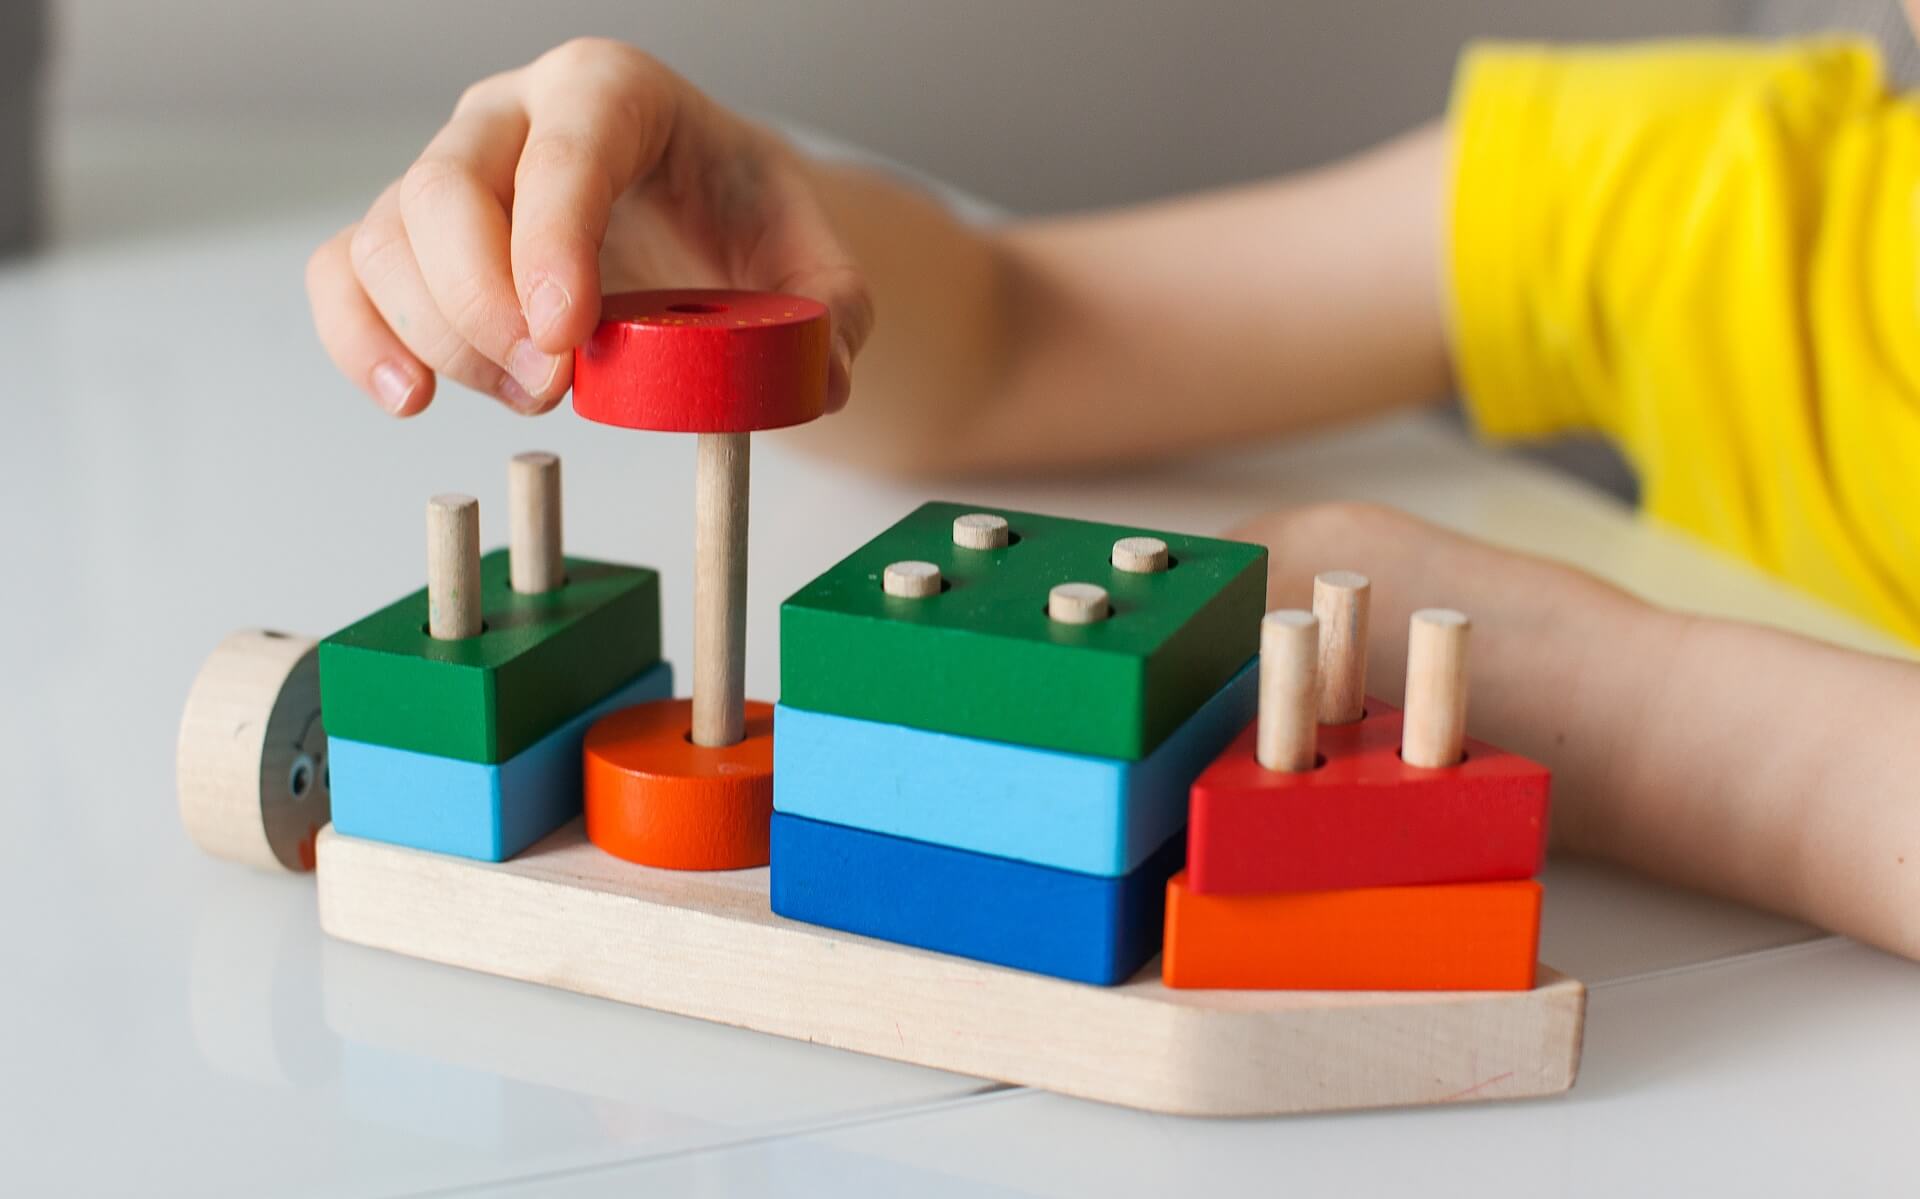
<point x="546" y="306"/>
<point x="393" y="387"/>
<point x="533" y="369"/>
<point x="516" y="396"/>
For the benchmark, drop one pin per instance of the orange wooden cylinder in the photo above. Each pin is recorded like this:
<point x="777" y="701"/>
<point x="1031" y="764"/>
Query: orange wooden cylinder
<point x="656" y="798"/>
<point x="1449" y="937"/>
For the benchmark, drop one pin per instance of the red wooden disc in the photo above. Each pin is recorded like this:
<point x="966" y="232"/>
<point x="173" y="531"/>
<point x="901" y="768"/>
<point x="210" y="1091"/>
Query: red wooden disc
<point x="704" y="362"/>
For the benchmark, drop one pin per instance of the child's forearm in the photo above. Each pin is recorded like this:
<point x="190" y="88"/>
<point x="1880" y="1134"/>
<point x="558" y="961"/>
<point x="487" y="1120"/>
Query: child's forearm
<point x="1090" y="340"/>
<point x="1721" y="756"/>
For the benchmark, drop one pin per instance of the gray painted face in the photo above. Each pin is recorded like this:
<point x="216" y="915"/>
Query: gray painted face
<point x="295" y="796"/>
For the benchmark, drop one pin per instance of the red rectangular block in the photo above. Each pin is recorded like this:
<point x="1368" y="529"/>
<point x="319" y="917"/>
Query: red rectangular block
<point x="1456" y="937"/>
<point x="1364" y="818"/>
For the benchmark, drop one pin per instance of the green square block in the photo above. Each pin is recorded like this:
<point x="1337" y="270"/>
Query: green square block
<point x="539" y="661"/>
<point x="982" y="659"/>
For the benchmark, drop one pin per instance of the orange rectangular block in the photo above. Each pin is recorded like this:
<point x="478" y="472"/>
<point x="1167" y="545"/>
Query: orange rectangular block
<point x="1448" y="937"/>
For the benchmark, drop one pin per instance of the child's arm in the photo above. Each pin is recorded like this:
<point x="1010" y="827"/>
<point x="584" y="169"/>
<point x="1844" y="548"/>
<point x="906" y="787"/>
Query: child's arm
<point x="1717" y="755"/>
<point x="1134" y="335"/>
<point x="1071" y="342"/>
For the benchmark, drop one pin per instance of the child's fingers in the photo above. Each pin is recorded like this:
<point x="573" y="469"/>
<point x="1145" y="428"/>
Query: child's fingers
<point x="599" y="115"/>
<point x="800" y="252"/>
<point x="453" y="205"/>
<point x="384" y="263"/>
<point x="358" y="341"/>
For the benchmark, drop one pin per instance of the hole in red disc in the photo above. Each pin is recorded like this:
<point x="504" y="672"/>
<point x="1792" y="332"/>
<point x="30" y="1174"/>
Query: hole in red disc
<point x="697" y="309"/>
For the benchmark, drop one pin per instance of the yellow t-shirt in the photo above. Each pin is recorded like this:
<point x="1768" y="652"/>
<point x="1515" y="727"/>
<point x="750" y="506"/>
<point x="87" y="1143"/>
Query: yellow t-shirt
<point x="1709" y="252"/>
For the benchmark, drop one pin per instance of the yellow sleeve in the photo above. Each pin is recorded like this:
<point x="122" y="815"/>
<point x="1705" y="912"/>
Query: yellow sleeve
<point x="1709" y="252"/>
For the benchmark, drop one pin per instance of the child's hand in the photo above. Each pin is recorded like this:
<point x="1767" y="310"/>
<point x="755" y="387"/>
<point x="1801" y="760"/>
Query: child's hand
<point x="594" y="169"/>
<point x="1705" y="752"/>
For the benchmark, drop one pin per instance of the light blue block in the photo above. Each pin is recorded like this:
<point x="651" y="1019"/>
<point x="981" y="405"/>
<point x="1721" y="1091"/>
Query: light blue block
<point x="471" y="809"/>
<point x="1070" y="811"/>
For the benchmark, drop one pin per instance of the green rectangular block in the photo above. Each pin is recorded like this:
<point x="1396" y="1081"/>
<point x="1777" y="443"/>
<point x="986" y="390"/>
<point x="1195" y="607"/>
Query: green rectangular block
<point x="538" y="661"/>
<point x="983" y="659"/>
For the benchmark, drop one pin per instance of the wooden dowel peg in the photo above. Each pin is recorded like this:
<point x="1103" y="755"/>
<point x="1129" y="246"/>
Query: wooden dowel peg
<point x="534" y="558"/>
<point x="1140" y="555"/>
<point x="720" y="589"/>
<point x="1341" y="601"/>
<point x="911" y="580"/>
<point x="1289" y="691"/>
<point x="453" y="567"/>
<point x="1078" y="603"/>
<point x="1436" y="712"/>
<point x="980" y="531"/>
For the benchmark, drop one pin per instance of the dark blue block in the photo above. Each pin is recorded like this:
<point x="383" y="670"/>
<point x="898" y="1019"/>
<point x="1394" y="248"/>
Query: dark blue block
<point x="1085" y="927"/>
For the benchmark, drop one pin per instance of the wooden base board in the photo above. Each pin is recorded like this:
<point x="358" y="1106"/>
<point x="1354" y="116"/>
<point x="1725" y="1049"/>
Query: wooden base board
<point x="706" y="945"/>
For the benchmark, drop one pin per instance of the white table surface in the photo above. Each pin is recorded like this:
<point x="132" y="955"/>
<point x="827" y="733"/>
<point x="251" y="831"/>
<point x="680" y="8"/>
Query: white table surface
<point x="181" y="461"/>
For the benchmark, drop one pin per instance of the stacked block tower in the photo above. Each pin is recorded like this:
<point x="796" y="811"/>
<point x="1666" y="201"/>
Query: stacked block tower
<point x="455" y="716"/>
<point x="688" y="784"/>
<point x="988" y="724"/>
<point x="1339" y="844"/>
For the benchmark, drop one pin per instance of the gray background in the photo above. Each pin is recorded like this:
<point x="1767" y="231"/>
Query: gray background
<point x="1041" y="104"/>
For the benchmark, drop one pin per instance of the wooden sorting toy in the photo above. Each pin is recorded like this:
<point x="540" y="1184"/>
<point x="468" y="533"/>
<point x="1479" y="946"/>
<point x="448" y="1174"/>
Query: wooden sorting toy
<point x="1383" y="851"/>
<point x="252" y="764"/>
<point x="1453" y="937"/>
<point x="1016" y="645"/>
<point x="683" y="937"/>
<point x="996" y="762"/>
<point x="1069" y="811"/>
<point x="1086" y="927"/>
<point x="705" y="944"/>
<point x="1366" y="818"/>
<point x="720" y="364"/>
<point x="488" y="811"/>
<point x="1365" y="815"/>
<point x="661" y="799"/>
<point x="457" y="714"/>
<point x="538" y="661"/>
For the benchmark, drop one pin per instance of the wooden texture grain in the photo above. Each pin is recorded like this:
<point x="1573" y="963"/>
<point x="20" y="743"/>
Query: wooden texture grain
<point x="706" y="945"/>
<point x="453" y="567"/>
<point x="911" y="580"/>
<point x="1435" y="732"/>
<point x="534" y="523"/>
<point x="980" y="531"/>
<point x="1140" y="555"/>
<point x="1078" y="603"/>
<point x="1289" y="691"/>
<point x="1343" y="600"/>
<point x="720" y="588"/>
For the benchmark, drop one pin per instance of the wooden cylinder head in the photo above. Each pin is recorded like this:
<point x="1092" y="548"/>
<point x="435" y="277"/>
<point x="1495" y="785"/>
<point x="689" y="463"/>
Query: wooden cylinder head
<point x="980" y="531"/>
<point x="252" y="761"/>
<point x="453" y="567"/>
<point x="1140" y="555"/>
<point x="1342" y="600"/>
<point x="1078" y="603"/>
<point x="533" y="512"/>
<point x="1288" y="723"/>
<point x="911" y="580"/>
<point x="1436" y="711"/>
